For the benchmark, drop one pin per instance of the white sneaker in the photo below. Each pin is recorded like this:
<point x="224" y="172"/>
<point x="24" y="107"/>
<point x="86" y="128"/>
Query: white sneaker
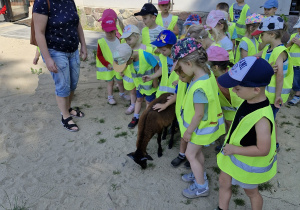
<point x="130" y="110"/>
<point x="111" y="101"/>
<point x="125" y="97"/>
<point x="294" y="101"/>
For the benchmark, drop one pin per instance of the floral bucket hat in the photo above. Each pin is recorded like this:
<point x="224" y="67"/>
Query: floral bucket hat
<point x="254" y="18"/>
<point x="184" y="47"/>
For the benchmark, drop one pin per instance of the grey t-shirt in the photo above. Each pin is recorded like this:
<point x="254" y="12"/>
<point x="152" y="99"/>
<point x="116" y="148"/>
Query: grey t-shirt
<point x="244" y="45"/>
<point x="113" y="44"/>
<point x="153" y="33"/>
<point x="226" y="43"/>
<point x="167" y="20"/>
<point x="237" y="10"/>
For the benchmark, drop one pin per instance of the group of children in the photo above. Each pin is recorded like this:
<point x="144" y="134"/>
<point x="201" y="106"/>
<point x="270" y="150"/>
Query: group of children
<point x="213" y="95"/>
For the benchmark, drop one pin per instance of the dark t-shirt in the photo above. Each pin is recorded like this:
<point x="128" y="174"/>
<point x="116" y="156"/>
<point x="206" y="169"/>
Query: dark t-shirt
<point x="61" y="31"/>
<point x="250" y="138"/>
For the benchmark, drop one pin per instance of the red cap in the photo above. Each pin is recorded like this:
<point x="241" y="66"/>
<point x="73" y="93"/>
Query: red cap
<point x="108" y="24"/>
<point x="257" y="32"/>
<point x="108" y="13"/>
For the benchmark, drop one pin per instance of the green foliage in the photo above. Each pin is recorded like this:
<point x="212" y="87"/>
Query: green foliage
<point x="216" y="169"/>
<point x="116" y="172"/>
<point x="124" y="133"/>
<point x="265" y="186"/>
<point x="239" y="202"/>
<point x="101" y="141"/>
<point x="35" y="71"/>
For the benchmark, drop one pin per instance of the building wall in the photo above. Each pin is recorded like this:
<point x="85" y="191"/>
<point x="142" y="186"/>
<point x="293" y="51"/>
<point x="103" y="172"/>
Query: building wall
<point x="182" y="5"/>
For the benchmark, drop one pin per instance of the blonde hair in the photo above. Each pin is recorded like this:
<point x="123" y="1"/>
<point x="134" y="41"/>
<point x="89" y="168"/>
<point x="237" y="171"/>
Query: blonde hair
<point x="248" y="28"/>
<point x="199" y="32"/>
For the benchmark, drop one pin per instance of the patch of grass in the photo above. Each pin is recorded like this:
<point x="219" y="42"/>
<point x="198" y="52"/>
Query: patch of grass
<point x="117" y="128"/>
<point x="216" y="169"/>
<point x="187" y="201"/>
<point x="216" y="189"/>
<point x="94" y="53"/>
<point x="151" y="165"/>
<point x="239" y="202"/>
<point x="289" y="149"/>
<point x="70" y="140"/>
<point x="98" y="133"/>
<point x="298" y="126"/>
<point x="234" y="189"/>
<point x="114" y="187"/>
<point x="116" y="90"/>
<point x="285" y="123"/>
<point x="102" y="121"/>
<point x="93" y="63"/>
<point x="126" y="105"/>
<point x="99" y="88"/>
<point x="287" y="131"/>
<point x="84" y="60"/>
<point x="39" y="103"/>
<point x="36" y="71"/>
<point x="16" y="205"/>
<point x="101" y="141"/>
<point x="124" y="133"/>
<point x="87" y="105"/>
<point x="116" y="172"/>
<point x="297" y="117"/>
<point x="265" y="186"/>
<point x="17" y="88"/>
<point x="283" y="116"/>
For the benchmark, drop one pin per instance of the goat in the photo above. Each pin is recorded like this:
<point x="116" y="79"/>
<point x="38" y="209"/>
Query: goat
<point x="150" y="123"/>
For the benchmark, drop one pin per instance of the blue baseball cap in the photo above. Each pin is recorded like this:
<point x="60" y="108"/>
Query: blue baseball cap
<point x="165" y="37"/>
<point x="270" y="4"/>
<point x="248" y="72"/>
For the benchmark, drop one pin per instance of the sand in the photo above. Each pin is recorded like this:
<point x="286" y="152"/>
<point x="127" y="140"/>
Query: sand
<point x="44" y="166"/>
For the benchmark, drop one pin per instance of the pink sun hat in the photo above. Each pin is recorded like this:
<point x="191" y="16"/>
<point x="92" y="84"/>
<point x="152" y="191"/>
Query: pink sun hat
<point x="108" y="24"/>
<point x="213" y="18"/>
<point x="108" y="13"/>
<point x="163" y="2"/>
<point x="215" y="53"/>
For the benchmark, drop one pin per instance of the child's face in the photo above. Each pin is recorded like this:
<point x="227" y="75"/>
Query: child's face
<point x="217" y="71"/>
<point x="166" y="51"/>
<point x="240" y="1"/>
<point x="265" y="37"/>
<point x="185" y="67"/>
<point x="183" y="77"/>
<point x="164" y="7"/>
<point x="246" y="93"/>
<point x="270" y="12"/>
<point x="149" y="20"/>
<point x="132" y="40"/>
<point x="110" y="35"/>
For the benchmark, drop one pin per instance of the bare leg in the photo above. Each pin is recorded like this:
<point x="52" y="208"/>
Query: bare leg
<point x="120" y="86"/>
<point x="138" y="105"/>
<point x="224" y="190"/>
<point x="133" y="96"/>
<point x="193" y="154"/>
<point x="64" y="105"/>
<point x="255" y="198"/>
<point x="183" y="145"/>
<point x="110" y="86"/>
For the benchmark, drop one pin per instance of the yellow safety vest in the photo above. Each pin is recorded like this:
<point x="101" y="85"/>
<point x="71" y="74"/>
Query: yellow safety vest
<point x="287" y="80"/>
<point x="252" y="49"/>
<point x="294" y="52"/>
<point x="159" y="21"/>
<point x="146" y="37"/>
<point x="102" y="72"/>
<point x="246" y="169"/>
<point x="229" y="108"/>
<point x="211" y="129"/>
<point x="241" y="23"/>
<point x="231" y="29"/>
<point x="144" y="69"/>
<point x="181" y="90"/>
<point x="127" y="78"/>
<point x="121" y="32"/>
<point x="165" y="85"/>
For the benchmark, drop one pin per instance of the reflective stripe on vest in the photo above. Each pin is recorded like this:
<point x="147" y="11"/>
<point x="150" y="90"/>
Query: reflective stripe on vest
<point x="145" y="87"/>
<point x="229" y="108"/>
<point x="204" y="131"/>
<point x="103" y="69"/>
<point x="149" y="72"/>
<point x="241" y="22"/>
<point x="294" y="55"/>
<point x="127" y="79"/>
<point x="167" y="89"/>
<point x="273" y="90"/>
<point x="240" y="26"/>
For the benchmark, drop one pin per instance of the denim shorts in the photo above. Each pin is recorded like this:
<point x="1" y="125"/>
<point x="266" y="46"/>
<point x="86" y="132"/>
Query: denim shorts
<point x="68" y="66"/>
<point x="275" y="110"/>
<point x="148" y="98"/>
<point x="296" y="82"/>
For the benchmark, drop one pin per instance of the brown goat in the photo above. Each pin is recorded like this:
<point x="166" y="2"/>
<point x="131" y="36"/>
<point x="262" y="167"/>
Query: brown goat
<point x="150" y="123"/>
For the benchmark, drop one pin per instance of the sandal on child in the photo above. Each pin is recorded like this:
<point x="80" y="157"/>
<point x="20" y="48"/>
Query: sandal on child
<point x="68" y="126"/>
<point x="78" y="112"/>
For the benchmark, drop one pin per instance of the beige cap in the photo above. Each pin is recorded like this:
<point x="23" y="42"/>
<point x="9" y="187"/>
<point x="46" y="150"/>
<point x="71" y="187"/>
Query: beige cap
<point x="121" y="55"/>
<point x="128" y="30"/>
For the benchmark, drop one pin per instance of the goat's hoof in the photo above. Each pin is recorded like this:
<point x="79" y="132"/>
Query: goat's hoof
<point x="159" y="154"/>
<point x="170" y="146"/>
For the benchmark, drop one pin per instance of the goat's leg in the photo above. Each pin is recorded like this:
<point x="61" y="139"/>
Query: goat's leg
<point x="159" y="151"/>
<point x="165" y="133"/>
<point x="172" y="133"/>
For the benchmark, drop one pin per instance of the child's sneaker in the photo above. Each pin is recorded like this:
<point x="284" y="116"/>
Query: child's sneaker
<point x="111" y="101"/>
<point x="193" y="191"/>
<point x="125" y="97"/>
<point x="178" y="160"/>
<point x="190" y="177"/>
<point x="133" y="123"/>
<point x="294" y="101"/>
<point x="187" y="165"/>
<point x="130" y="110"/>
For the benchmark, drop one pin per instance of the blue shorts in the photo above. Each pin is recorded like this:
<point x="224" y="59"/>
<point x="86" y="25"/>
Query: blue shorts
<point x="148" y="98"/>
<point x="243" y="185"/>
<point x="296" y="82"/>
<point x="68" y="66"/>
<point x="275" y="110"/>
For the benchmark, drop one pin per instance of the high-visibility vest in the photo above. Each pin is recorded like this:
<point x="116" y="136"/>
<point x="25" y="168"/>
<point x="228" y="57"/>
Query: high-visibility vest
<point x="294" y="52"/>
<point x="287" y="80"/>
<point x="146" y="37"/>
<point x="102" y="72"/>
<point x="144" y="69"/>
<point x="181" y="90"/>
<point x="120" y="32"/>
<point x="127" y="78"/>
<point x="252" y="49"/>
<point x="165" y="85"/>
<point x="241" y="23"/>
<point x="211" y="129"/>
<point x="247" y="169"/>
<point x="231" y="29"/>
<point x="229" y="108"/>
<point x="159" y="21"/>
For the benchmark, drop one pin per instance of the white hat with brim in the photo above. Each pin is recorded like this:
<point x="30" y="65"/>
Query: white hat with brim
<point x="121" y="56"/>
<point x="128" y="30"/>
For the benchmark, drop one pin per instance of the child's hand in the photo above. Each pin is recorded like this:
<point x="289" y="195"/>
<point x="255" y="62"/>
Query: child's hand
<point x="159" y="107"/>
<point x="35" y="60"/>
<point x="275" y="67"/>
<point x="297" y="41"/>
<point x="170" y="97"/>
<point x="229" y="149"/>
<point x="278" y="102"/>
<point x="156" y="51"/>
<point x="175" y="83"/>
<point x="109" y="67"/>
<point x="187" y="136"/>
<point x="146" y="78"/>
<point x="294" y="40"/>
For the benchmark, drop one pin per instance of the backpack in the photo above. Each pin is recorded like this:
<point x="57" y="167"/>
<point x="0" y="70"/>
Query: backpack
<point x="32" y="35"/>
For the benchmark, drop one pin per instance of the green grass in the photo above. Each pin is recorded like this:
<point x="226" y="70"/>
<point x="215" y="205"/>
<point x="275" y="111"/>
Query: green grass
<point x="99" y="88"/>
<point x="116" y="90"/>
<point x="124" y="133"/>
<point x="70" y="140"/>
<point x="235" y="189"/>
<point x="94" y="53"/>
<point x="93" y="63"/>
<point x="36" y="71"/>
<point x="101" y="141"/>
<point x="216" y="169"/>
<point x="289" y="149"/>
<point x="287" y="131"/>
<point x="102" y="121"/>
<point x="116" y="172"/>
<point x="285" y="123"/>
<point x="151" y="165"/>
<point x="17" y="88"/>
<point x="187" y="201"/>
<point x="117" y="128"/>
<point x="239" y="202"/>
<point x="297" y="117"/>
<point x="114" y="187"/>
<point x="216" y="189"/>
<point x="267" y="186"/>
<point x="298" y="126"/>
<point x="283" y="116"/>
<point x="98" y="133"/>
<point x="87" y="105"/>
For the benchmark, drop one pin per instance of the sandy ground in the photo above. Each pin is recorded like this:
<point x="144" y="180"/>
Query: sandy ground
<point x="44" y="166"/>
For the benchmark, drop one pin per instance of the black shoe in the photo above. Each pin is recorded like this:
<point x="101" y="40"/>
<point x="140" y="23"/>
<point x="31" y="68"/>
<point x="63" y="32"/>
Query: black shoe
<point x="187" y="164"/>
<point x="218" y="148"/>
<point x="133" y="123"/>
<point x="178" y="160"/>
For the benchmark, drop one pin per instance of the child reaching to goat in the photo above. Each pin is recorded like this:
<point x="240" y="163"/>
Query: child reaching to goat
<point x="201" y="115"/>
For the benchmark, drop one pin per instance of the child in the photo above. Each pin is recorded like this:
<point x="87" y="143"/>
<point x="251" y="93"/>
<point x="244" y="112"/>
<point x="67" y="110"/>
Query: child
<point x="271" y="30"/>
<point x="201" y="116"/>
<point x="201" y="35"/>
<point x="191" y="20"/>
<point x="132" y="36"/>
<point x="151" y="31"/>
<point x="294" y="50"/>
<point x="165" y="19"/>
<point x="248" y="156"/>
<point x="164" y="42"/>
<point x="104" y="60"/>
<point x="249" y="44"/>
<point x="216" y="19"/>
<point x="140" y="63"/>
<point x="37" y="56"/>
<point x="238" y="13"/>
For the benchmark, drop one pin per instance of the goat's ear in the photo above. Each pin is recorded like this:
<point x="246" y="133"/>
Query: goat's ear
<point x="149" y="157"/>
<point x="131" y="155"/>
